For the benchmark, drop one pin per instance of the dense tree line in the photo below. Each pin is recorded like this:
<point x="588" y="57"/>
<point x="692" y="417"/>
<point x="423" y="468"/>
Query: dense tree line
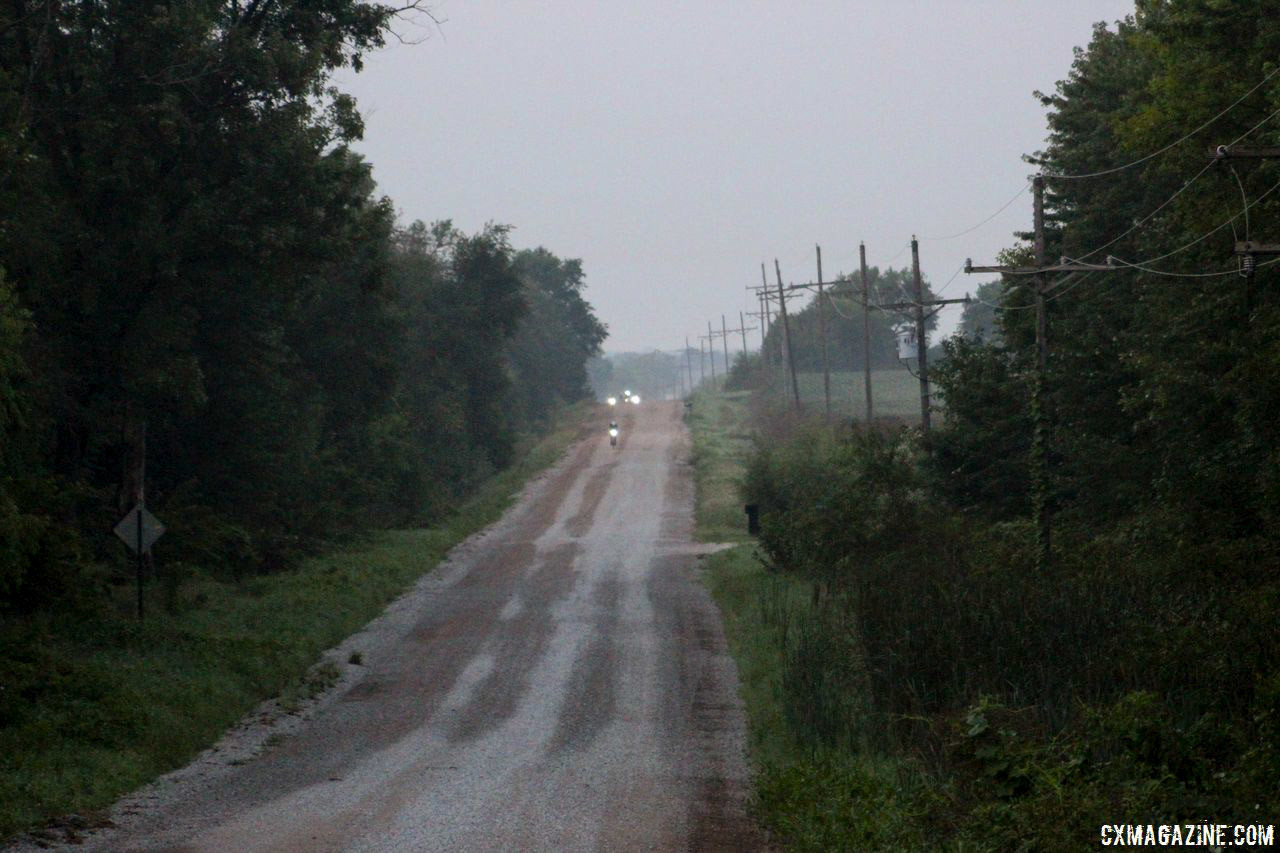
<point x="842" y="317"/>
<point x="1137" y="670"/>
<point x="198" y="274"/>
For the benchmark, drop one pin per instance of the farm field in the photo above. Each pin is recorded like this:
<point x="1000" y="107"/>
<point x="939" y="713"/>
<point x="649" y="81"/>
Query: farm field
<point x="896" y="393"/>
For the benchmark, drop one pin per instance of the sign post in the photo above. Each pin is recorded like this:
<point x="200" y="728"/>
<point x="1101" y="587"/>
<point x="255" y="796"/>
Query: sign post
<point x="139" y="530"/>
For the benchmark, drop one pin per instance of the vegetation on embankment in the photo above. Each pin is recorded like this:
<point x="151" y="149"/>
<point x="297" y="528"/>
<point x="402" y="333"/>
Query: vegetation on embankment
<point x="807" y="795"/>
<point x="93" y="705"/>
<point x="206" y="301"/>
<point x="914" y="681"/>
<point x="1061" y="608"/>
<point x="721" y="439"/>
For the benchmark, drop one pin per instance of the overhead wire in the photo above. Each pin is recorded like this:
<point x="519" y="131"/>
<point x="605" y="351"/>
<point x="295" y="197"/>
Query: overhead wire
<point x="1172" y="274"/>
<point x="1215" y="230"/>
<point x="973" y="228"/>
<point x="1244" y="198"/>
<point x="1144" y="220"/>
<point x="1137" y="224"/>
<point x="1173" y="144"/>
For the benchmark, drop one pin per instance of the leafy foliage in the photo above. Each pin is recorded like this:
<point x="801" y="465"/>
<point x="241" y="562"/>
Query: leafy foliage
<point x="200" y="275"/>
<point x="1135" y="673"/>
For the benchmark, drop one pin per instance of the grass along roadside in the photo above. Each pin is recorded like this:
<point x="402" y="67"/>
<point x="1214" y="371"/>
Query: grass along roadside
<point x="721" y="441"/>
<point x="93" y="708"/>
<point x="808" y="795"/>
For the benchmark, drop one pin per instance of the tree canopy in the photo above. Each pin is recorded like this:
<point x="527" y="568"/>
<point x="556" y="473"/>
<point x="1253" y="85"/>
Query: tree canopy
<point x="200" y="275"/>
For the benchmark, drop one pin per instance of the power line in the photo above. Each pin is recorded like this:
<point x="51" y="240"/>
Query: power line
<point x="973" y="228"/>
<point x="1143" y="221"/>
<point x="1172" y="274"/>
<point x="1065" y="290"/>
<point x="959" y="270"/>
<point x="1173" y="144"/>
<point x="1211" y="232"/>
<point x="1139" y="223"/>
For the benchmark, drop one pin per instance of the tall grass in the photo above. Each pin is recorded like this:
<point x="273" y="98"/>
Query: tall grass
<point x="721" y="438"/>
<point x="93" y="704"/>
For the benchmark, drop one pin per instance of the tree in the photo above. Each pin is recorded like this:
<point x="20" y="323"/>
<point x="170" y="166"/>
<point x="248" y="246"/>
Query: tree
<point x="556" y="338"/>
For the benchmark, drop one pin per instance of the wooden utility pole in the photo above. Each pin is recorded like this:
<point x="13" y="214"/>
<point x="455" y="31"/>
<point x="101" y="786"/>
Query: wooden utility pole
<point x="764" y="320"/>
<point x="866" y="327"/>
<point x="1249" y="250"/>
<point x="1040" y="497"/>
<point x="742" y="329"/>
<point x="922" y="343"/>
<point x="822" y="334"/>
<point x="764" y="307"/>
<point x="917" y="307"/>
<point x="711" y="350"/>
<point x="786" y="336"/>
<point x="688" y="361"/>
<point x="724" y="339"/>
<point x="1041" y="482"/>
<point x="702" y="363"/>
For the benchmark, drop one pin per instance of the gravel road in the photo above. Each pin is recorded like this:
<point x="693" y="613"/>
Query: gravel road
<point x="560" y="683"/>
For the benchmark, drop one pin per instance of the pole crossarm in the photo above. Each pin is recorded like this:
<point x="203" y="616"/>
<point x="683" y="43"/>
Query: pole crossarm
<point x="728" y="332"/>
<point x="911" y="306"/>
<point x="1250" y="247"/>
<point x="1242" y="152"/>
<point x="1063" y="266"/>
<point x="811" y="286"/>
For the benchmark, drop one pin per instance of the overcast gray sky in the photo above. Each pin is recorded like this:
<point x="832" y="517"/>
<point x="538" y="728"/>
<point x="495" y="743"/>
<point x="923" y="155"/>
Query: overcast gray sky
<point x="673" y="146"/>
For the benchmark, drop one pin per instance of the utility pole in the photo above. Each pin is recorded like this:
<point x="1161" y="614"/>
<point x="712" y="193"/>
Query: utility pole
<point x="822" y="334"/>
<point x="1249" y="250"/>
<point x="764" y="318"/>
<point x="1246" y="248"/>
<point x="688" y="362"/>
<point x="922" y="344"/>
<point x="743" y="328"/>
<point x="711" y="350"/>
<point x="866" y="327"/>
<point x="782" y="295"/>
<point x="764" y="308"/>
<point x="724" y="339"/>
<point x="917" y="307"/>
<point x="786" y="336"/>
<point x="702" y="363"/>
<point x="1040" y="498"/>
<point x="1041" y="485"/>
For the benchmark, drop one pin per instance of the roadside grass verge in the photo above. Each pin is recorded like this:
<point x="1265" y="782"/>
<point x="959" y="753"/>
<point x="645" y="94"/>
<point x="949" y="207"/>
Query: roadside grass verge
<point x="92" y="706"/>
<point x="809" y="794"/>
<point x="721" y="442"/>
<point x="812" y="791"/>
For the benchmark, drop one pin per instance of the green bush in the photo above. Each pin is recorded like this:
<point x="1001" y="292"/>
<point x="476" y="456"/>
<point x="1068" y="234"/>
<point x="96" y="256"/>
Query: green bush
<point x="1121" y="680"/>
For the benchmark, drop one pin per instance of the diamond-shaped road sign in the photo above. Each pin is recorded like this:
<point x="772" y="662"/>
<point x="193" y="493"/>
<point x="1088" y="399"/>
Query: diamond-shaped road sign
<point x="128" y="529"/>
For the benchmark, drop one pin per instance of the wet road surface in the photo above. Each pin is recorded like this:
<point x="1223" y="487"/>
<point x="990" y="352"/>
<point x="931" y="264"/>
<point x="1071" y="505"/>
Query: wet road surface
<point x="562" y="683"/>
